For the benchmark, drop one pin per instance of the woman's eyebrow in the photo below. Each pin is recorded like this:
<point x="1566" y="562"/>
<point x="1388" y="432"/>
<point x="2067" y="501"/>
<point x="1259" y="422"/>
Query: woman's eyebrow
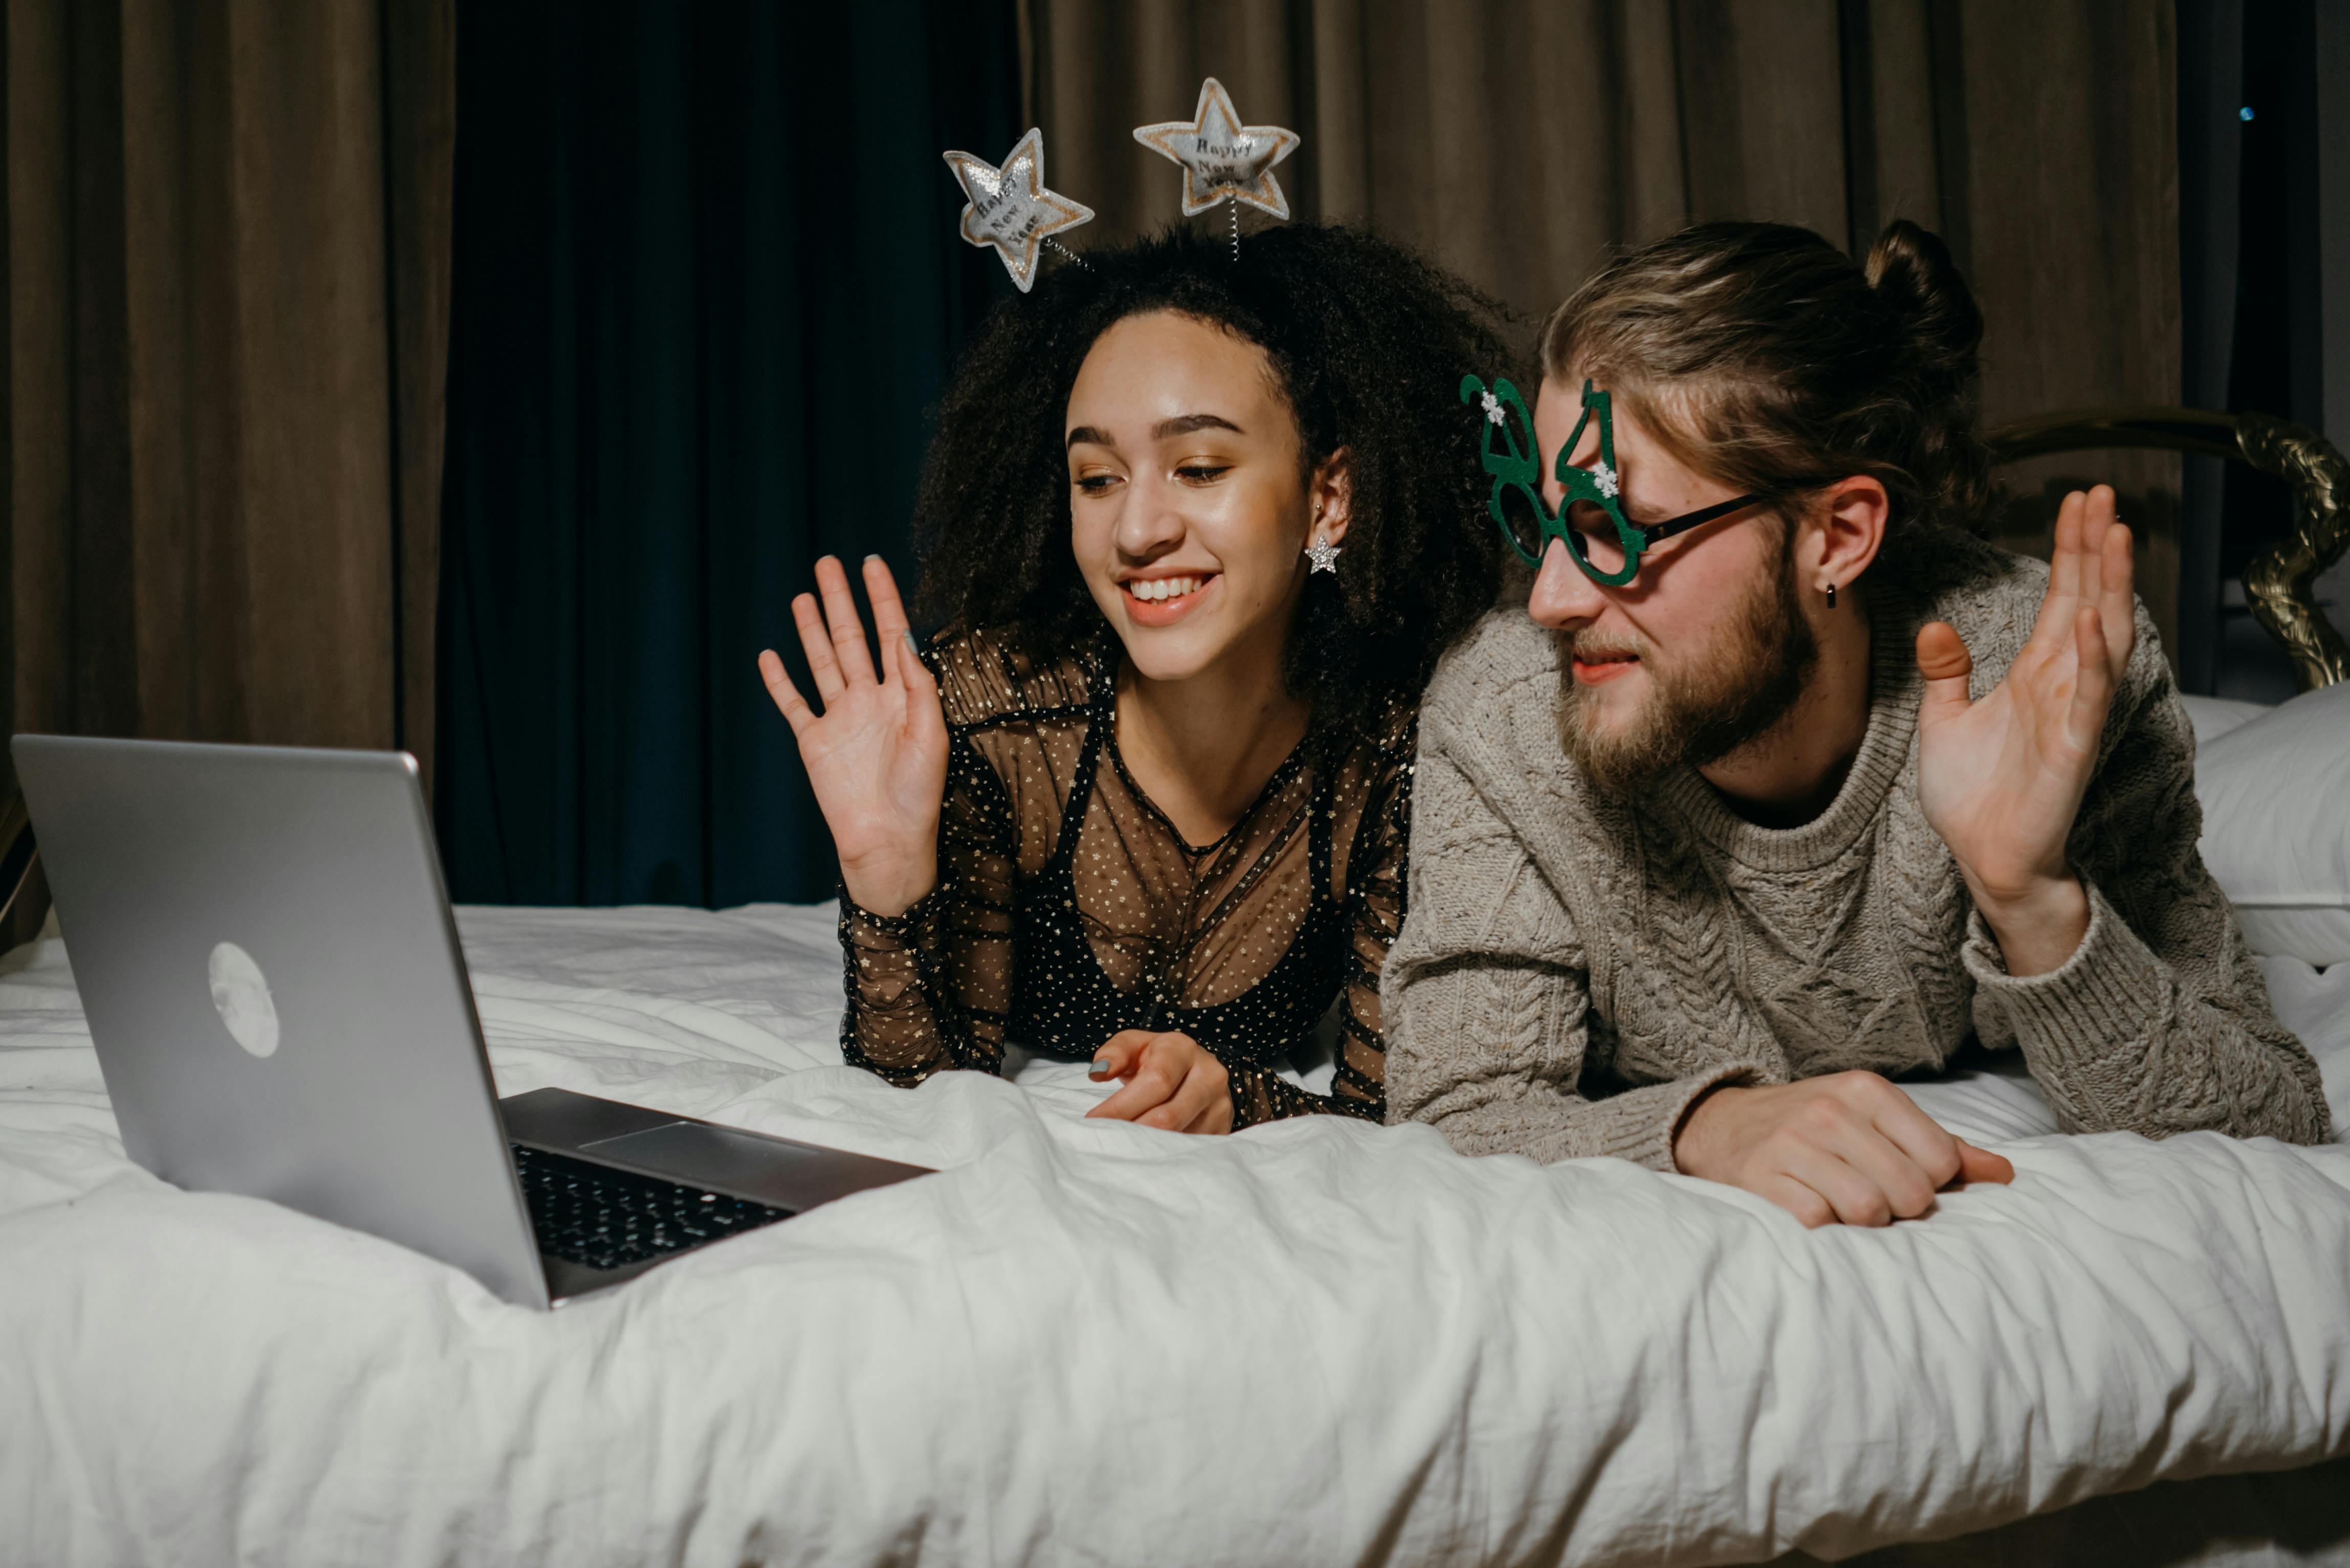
<point x="1181" y="424"/>
<point x="1184" y="424"/>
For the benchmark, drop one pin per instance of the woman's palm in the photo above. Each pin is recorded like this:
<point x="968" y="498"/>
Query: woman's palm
<point x="876" y="754"/>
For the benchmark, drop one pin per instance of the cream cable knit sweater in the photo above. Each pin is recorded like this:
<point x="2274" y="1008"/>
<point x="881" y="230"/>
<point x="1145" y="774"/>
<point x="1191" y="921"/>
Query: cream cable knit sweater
<point x="1575" y="972"/>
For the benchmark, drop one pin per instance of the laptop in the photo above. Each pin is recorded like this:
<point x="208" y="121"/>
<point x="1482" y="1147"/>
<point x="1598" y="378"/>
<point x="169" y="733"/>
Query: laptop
<point x="273" y="980"/>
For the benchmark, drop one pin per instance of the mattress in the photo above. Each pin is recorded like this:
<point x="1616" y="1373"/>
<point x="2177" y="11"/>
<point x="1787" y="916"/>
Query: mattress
<point x="1084" y="1342"/>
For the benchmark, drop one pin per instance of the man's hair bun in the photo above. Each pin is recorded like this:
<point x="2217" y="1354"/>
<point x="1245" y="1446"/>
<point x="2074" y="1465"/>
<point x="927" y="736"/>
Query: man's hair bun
<point x="1933" y="309"/>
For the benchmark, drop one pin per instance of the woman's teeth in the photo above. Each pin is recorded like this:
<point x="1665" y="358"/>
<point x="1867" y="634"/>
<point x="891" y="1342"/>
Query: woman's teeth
<point x="1156" y="588"/>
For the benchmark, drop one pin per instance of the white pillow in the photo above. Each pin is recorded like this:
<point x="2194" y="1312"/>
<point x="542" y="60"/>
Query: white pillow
<point x="2315" y="1004"/>
<point x="2215" y="716"/>
<point x="2276" y="825"/>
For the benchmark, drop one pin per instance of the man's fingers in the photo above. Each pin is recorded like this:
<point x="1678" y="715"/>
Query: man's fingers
<point x="2118" y="597"/>
<point x="2065" y="554"/>
<point x="1807" y="1206"/>
<point x="2093" y="681"/>
<point x="2054" y="623"/>
<point x="848" y="626"/>
<point x="1944" y="662"/>
<point x="1981" y="1164"/>
<point x="1900" y="1181"/>
<point x="816" y="644"/>
<point x="2097" y="521"/>
<point x="795" y="711"/>
<point x="1922" y="1140"/>
<point x="1856" y="1199"/>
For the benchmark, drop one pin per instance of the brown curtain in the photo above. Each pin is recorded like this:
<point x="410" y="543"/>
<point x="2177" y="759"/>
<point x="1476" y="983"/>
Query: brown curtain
<point x="1516" y="140"/>
<point x="228" y="281"/>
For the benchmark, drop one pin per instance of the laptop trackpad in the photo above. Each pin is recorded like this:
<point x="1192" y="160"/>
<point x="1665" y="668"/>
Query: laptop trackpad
<point x="793" y="1176"/>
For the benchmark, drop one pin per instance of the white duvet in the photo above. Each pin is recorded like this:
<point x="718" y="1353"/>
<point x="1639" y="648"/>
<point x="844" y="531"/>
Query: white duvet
<point x="1318" y="1341"/>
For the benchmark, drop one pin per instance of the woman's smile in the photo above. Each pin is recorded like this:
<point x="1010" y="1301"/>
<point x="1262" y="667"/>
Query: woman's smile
<point x="1164" y="599"/>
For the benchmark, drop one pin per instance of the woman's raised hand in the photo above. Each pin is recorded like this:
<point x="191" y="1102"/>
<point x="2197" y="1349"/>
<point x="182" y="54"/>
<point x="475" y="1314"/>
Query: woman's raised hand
<point x="877" y="755"/>
<point x="2001" y="779"/>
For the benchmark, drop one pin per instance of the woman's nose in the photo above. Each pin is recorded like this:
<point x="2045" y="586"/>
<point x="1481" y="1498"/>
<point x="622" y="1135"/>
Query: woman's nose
<point x="1148" y="522"/>
<point x="1563" y="596"/>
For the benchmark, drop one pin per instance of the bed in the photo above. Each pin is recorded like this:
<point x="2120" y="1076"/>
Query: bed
<point x="1316" y="1342"/>
<point x="1080" y="1342"/>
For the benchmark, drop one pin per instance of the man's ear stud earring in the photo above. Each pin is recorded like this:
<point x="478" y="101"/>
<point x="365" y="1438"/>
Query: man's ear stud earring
<point x="1831" y="596"/>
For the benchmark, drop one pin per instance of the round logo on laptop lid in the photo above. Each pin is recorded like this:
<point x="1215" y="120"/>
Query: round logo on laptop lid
<point x="241" y="997"/>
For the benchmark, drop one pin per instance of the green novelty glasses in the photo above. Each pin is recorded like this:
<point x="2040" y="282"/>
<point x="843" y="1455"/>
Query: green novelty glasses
<point x="1605" y="544"/>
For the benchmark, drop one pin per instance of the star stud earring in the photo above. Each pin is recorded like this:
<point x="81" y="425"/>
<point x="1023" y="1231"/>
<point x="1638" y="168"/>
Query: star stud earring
<point x="1323" y="555"/>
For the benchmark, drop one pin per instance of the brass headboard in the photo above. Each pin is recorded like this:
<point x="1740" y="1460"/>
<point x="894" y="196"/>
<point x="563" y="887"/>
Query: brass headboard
<point x="2279" y="583"/>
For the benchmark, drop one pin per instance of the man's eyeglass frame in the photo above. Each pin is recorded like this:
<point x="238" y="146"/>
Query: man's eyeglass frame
<point x="1519" y="469"/>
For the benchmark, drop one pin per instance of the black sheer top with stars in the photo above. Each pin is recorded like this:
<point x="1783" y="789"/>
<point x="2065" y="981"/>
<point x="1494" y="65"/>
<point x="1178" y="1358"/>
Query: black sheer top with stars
<point x="1069" y="907"/>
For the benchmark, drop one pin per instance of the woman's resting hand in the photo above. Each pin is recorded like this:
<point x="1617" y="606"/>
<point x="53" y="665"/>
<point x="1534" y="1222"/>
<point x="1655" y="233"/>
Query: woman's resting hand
<point x="1848" y="1148"/>
<point x="1170" y="1081"/>
<point x="877" y="755"/>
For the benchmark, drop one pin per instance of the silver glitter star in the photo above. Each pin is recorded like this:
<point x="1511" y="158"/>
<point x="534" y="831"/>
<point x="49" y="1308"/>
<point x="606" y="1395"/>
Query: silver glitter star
<point x="1222" y="159"/>
<point x="1323" y="555"/>
<point x="1009" y="208"/>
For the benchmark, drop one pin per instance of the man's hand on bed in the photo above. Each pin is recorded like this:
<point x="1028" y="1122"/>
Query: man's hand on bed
<point x="2000" y="779"/>
<point x="1848" y="1148"/>
<point x="877" y="755"/>
<point x="1170" y="1080"/>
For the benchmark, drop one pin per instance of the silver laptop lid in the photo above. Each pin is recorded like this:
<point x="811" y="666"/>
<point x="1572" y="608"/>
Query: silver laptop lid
<point x="264" y="949"/>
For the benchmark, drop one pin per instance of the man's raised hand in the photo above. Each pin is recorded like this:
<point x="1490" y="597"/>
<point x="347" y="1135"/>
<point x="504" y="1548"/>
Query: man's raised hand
<point x="2001" y="779"/>
<point x="876" y="754"/>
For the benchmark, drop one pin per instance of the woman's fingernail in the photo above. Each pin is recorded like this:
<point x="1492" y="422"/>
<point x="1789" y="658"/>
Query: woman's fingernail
<point x="874" y="556"/>
<point x="1100" y="1067"/>
<point x="910" y="642"/>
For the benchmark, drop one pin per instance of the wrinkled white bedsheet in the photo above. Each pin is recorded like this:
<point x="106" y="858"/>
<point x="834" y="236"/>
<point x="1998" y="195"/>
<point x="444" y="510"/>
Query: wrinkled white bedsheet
<point x="1318" y="1341"/>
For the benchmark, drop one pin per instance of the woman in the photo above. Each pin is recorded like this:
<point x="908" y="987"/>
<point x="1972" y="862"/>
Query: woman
<point x="1144" y="802"/>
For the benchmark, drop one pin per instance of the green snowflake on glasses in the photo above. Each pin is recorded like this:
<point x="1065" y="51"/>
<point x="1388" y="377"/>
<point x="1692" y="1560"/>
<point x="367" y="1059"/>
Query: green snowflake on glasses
<point x="1604" y="543"/>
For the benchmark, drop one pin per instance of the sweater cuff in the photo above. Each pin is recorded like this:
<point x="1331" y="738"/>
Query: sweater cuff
<point x="2095" y="1001"/>
<point x="1640" y="1124"/>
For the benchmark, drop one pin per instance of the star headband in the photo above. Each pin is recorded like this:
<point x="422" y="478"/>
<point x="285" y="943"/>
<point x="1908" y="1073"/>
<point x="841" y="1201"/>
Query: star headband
<point x="1010" y="209"/>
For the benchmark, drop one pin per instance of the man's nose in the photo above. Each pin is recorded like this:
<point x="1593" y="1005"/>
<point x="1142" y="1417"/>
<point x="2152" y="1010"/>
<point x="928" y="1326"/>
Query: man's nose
<point x="1562" y="596"/>
<point x="1149" y="524"/>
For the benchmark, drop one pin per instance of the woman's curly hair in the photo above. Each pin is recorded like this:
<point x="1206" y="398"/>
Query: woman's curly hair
<point x="1367" y="344"/>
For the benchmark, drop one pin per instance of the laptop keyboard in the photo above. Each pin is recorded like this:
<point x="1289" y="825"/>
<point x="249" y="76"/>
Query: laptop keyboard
<point x="605" y="1219"/>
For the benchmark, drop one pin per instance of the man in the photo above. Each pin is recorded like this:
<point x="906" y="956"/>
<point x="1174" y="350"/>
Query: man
<point x="1781" y="783"/>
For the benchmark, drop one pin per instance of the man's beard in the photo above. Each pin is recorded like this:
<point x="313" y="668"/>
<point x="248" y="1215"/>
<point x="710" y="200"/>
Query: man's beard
<point x="1695" y="715"/>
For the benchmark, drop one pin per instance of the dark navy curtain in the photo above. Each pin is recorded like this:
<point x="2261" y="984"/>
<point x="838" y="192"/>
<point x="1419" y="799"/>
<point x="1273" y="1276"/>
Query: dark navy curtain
<point x="707" y="292"/>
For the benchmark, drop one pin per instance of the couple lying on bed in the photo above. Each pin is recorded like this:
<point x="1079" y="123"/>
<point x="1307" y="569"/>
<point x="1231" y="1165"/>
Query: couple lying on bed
<point x="1778" y="783"/>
